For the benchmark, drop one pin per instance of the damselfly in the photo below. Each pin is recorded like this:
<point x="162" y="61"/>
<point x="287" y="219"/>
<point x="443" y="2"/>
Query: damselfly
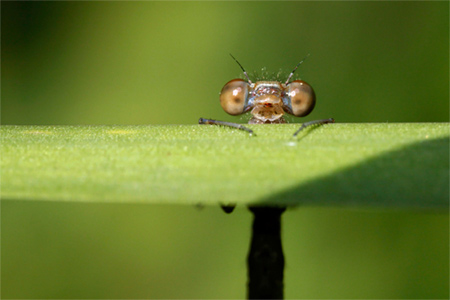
<point x="267" y="101"/>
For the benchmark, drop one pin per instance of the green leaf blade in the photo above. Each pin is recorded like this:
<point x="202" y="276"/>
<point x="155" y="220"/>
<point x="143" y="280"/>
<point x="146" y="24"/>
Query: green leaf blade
<point x="399" y="165"/>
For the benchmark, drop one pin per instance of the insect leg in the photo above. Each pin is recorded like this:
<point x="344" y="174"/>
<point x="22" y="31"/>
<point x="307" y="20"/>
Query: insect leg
<point x="316" y="122"/>
<point x="223" y="123"/>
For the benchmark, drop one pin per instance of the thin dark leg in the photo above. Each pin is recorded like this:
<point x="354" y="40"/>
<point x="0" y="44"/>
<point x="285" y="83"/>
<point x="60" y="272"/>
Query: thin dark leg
<point x="229" y="124"/>
<point x="316" y="122"/>
<point x="266" y="259"/>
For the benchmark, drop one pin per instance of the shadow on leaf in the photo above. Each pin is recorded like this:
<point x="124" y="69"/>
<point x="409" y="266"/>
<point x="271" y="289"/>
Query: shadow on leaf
<point x="416" y="176"/>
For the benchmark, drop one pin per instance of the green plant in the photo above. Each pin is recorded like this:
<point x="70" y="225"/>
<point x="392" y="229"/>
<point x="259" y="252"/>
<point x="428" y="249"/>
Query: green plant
<point x="404" y="165"/>
<point x="385" y="165"/>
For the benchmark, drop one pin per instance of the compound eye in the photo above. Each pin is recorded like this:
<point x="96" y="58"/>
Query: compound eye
<point x="233" y="96"/>
<point x="302" y="96"/>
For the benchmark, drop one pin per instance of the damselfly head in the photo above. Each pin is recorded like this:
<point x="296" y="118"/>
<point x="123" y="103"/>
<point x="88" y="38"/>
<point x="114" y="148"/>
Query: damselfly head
<point x="267" y="100"/>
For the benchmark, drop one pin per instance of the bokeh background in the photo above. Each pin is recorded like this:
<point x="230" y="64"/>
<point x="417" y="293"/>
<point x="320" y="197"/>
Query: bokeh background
<point x="165" y="63"/>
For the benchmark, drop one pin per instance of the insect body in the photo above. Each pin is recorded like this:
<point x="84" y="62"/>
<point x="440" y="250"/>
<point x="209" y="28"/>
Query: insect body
<point x="267" y="101"/>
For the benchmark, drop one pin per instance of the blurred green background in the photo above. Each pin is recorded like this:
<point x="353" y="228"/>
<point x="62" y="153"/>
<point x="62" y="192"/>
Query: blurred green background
<point x="165" y="63"/>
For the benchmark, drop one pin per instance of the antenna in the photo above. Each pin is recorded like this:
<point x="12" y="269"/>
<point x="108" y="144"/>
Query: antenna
<point x="292" y="73"/>
<point x="245" y="72"/>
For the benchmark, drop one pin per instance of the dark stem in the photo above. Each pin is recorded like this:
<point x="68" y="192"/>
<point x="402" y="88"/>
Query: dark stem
<point x="266" y="259"/>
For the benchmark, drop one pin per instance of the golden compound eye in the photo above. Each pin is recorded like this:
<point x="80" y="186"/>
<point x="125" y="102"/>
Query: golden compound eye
<point x="233" y="96"/>
<point x="302" y="96"/>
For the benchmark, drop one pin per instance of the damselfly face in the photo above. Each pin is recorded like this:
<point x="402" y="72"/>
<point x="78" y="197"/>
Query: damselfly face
<point x="267" y="101"/>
